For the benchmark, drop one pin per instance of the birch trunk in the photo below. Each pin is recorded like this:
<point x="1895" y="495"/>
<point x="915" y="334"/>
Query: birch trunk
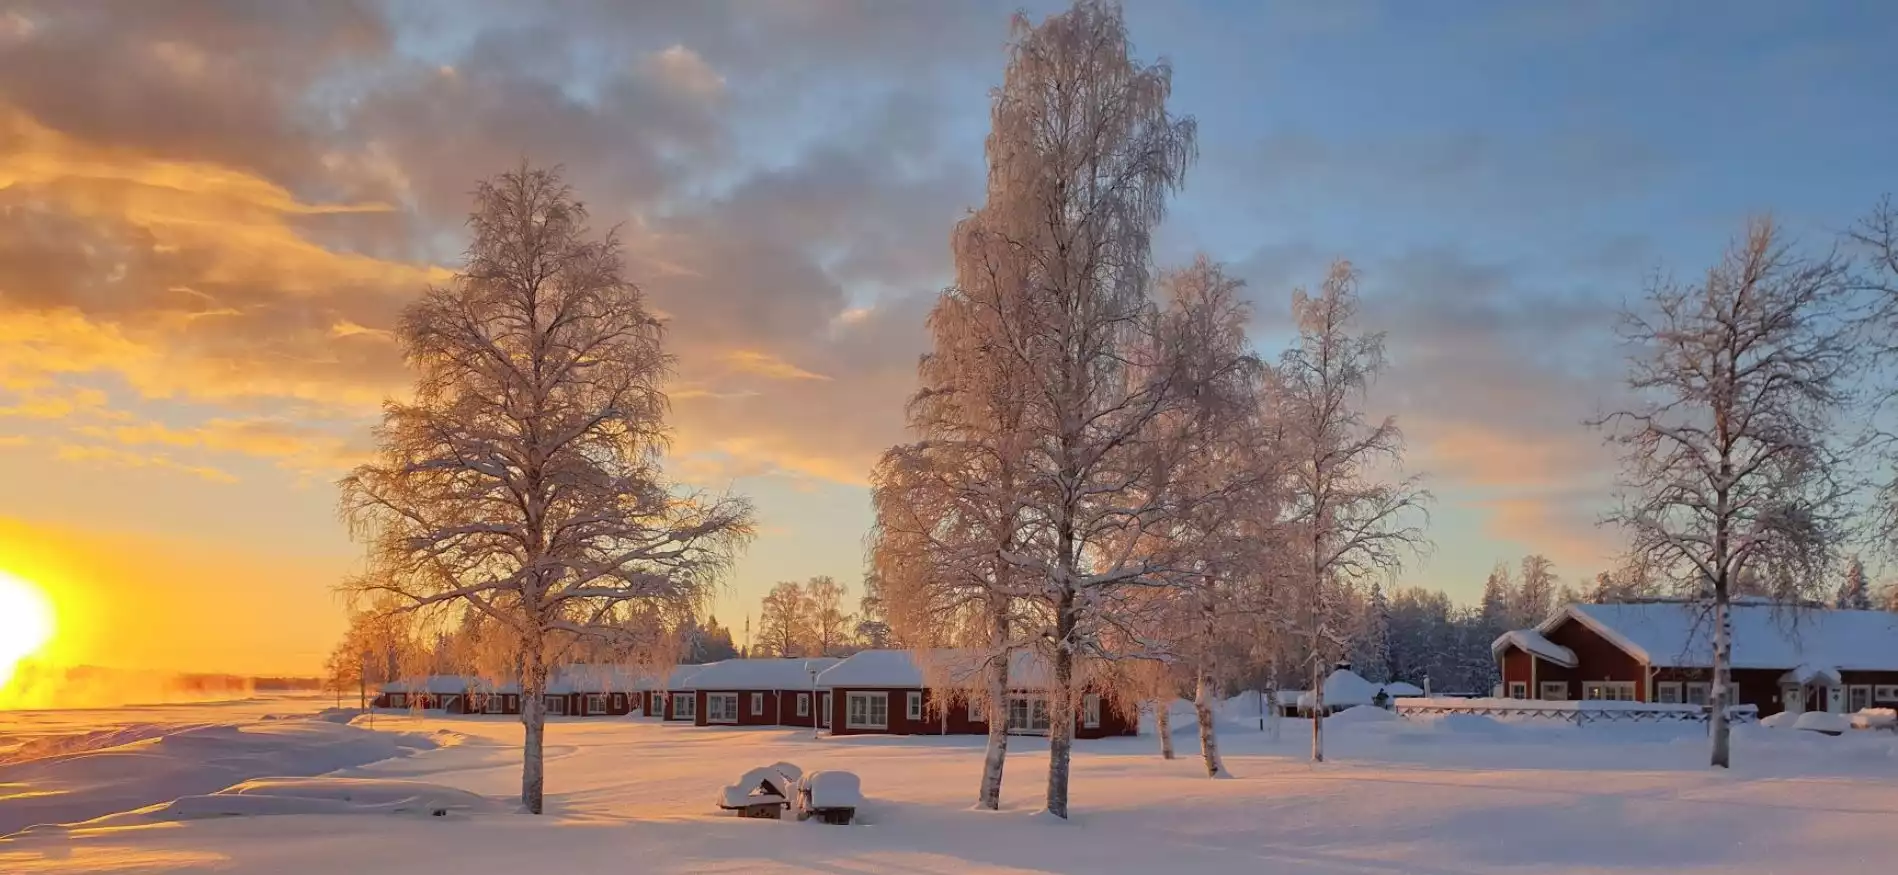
<point x="997" y="756"/>
<point x="1061" y="709"/>
<point x="1163" y="724"/>
<point x="534" y="719"/>
<point x="1317" y="711"/>
<point x="1722" y="676"/>
<point x="1203" y="708"/>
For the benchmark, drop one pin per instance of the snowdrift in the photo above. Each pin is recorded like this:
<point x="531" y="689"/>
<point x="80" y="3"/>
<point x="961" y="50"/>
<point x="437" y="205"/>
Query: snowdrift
<point x="191" y="761"/>
<point x="273" y="796"/>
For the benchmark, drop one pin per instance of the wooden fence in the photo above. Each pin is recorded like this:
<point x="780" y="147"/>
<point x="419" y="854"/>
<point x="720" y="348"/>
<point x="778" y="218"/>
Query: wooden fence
<point x="1577" y="713"/>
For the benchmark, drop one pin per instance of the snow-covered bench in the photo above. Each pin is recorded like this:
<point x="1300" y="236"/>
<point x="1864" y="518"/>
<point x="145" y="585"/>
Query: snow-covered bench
<point x="830" y="796"/>
<point x="763" y="792"/>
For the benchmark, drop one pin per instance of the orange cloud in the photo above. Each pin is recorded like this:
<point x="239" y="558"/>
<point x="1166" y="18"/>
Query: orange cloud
<point x="765" y="364"/>
<point x="116" y="458"/>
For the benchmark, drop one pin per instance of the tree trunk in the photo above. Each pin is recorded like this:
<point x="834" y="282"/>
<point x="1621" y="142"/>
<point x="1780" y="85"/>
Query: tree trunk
<point x="1061" y="709"/>
<point x="1722" y="677"/>
<point x="1163" y="724"/>
<point x="1272" y="698"/>
<point x="534" y="718"/>
<point x="1203" y="709"/>
<point x="990" y="797"/>
<point x="1317" y="710"/>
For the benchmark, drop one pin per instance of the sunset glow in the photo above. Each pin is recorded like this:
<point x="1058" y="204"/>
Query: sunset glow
<point x="26" y="623"/>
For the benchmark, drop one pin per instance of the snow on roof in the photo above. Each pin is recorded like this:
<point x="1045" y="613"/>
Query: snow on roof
<point x="900" y="669"/>
<point x="1680" y="635"/>
<point x="1399" y="688"/>
<point x="435" y="683"/>
<point x="1532" y="641"/>
<point x="760" y="674"/>
<point x="601" y="678"/>
<point x="1343" y="689"/>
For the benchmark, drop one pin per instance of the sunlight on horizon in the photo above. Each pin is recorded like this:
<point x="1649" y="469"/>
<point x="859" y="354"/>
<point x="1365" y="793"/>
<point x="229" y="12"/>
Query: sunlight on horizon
<point x="27" y="623"/>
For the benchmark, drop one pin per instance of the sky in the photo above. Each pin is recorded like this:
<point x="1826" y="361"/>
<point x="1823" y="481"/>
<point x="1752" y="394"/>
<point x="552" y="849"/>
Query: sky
<point x="212" y="213"/>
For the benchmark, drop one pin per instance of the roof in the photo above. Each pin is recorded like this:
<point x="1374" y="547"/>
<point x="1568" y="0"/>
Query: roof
<point x="760" y="674"/>
<point x="1343" y="688"/>
<point x="1401" y="688"/>
<point x="899" y="669"/>
<point x="1532" y="641"/>
<point x="1680" y="635"/>
<point x="435" y="683"/>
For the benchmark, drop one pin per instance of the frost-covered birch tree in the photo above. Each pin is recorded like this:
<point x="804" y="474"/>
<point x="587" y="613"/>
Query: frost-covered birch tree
<point x="1727" y="477"/>
<point x="1354" y="513"/>
<point x="523" y="478"/>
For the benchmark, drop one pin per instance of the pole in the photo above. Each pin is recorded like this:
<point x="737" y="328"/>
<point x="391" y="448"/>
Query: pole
<point x="814" y="721"/>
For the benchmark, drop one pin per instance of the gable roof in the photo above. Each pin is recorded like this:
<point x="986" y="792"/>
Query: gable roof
<point x="1532" y="641"/>
<point x="899" y="669"/>
<point x="760" y="674"/>
<point x="1680" y="635"/>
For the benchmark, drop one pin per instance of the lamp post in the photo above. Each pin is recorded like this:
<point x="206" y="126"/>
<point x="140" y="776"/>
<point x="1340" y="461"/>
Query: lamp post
<point x="814" y="721"/>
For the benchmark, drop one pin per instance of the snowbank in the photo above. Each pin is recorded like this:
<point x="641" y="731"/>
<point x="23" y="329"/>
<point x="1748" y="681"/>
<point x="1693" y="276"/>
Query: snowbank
<point x="1782" y="720"/>
<point x="272" y="796"/>
<point x="1361" y="714"/>
<point x="190" y="761"/>
<point x="1875" y="718"/>
<point x="834" y="789"/>
<point x="1821" y="721"/>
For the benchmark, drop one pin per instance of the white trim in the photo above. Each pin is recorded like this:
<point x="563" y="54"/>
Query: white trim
<point x="757" y="704"/>
<point x="721" y="708"/>
<point x="1608" y="691"/>
<point x="1611" y="636"/>
<point x="1560" y="688"/>
<point x="868" y="719"/>
<point x="913" y="705"/>
<point x="494" y="703"/>
<point x="691" y="703"/>
<point x="1703" y="688"/>
<point x="803" y="704"/>
<point x="1854" y="688"/>
<point x="1091" y="711"/>
<point x="1885" y="692"/>
<point x="555" y="706"/>
<point x="594" y="704"/>
<point x="1518" y="690"/>
<point x="1662" y="688"/>
<point x="823" y="708"/>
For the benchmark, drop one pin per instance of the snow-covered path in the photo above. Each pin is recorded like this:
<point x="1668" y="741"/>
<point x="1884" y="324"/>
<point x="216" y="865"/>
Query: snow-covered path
<point x="630" y="796"/>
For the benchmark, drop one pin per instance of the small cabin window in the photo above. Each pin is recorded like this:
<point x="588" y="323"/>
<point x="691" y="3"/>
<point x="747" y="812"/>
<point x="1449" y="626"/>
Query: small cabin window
<point x="757" y="704"/>
<point x="1885" y="693"/>
<point x="1518" y="689"/>
<point x="1669" y="692"/>
<point x="1091" y="711"/>
<point x="978" y="711"/>
<point x="1554" y="691"/>
<point x="915" y="706"/>
<point x="803" y="704"/>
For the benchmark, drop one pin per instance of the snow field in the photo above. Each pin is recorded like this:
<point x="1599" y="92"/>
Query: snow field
<point x="1435" y="797"/>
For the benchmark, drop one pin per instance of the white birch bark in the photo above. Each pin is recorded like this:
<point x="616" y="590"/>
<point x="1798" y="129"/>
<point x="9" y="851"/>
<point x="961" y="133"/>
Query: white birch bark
<point x="996" y="757"/>
<point x="1163" y="724"/>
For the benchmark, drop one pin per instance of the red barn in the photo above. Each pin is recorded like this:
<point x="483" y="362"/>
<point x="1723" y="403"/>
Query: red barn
<point x="1783" y="658"/>
<point x="757" y="692"/>
<point x="884" y="692"/>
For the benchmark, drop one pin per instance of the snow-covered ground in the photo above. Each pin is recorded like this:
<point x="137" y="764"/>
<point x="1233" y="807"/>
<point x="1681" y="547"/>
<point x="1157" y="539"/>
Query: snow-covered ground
<point x="1453" y="796"/>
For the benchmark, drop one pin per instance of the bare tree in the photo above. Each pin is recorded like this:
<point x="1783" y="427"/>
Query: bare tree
<point x="784" y="621"/>
<point x="829" y="625"/>
<point x="1727" y="479"/>
<point x="1876" y="236"/>
<point x="1354" y="516"/>
<point x="523" y="479"/>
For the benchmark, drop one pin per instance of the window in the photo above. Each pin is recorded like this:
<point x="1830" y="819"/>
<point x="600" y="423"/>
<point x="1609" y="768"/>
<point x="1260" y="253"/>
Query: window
<point x="619" y="701"/>
<point x="557" y="705"/>
<point x="1858" y="697"/>
<point x="685" y="706"/>
<point x="1608" y="691"/>
<point x="721" y="707"/>
<point x="977" y="707"/>
<point x="1518" y="689"/>
<point x="867" y="711"/>
<point x="1554" y="691"/>
<point x="1027" y="714"/>
<point x="1091" y="711"/>
<point x="803" y="704"/>
<point x="823" y="709"/>
<point x="915" y="706"/>
<point x="1670" y="692"/>
<point x="596" y="703"/>
<point x="398" y="700"/>
<point x="1698" y="692"/>
<point x="1885" y="693"/>
<point x="448" y="703"/>
<point x="494" y="705"/>
<point x="757" y="704"/>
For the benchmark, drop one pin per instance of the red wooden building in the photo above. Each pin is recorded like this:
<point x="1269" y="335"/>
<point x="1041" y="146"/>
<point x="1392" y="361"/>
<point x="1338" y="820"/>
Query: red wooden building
<point x="1783" y="657"/>
<point x="757" y="692"/>
<point x="885" y="692"/>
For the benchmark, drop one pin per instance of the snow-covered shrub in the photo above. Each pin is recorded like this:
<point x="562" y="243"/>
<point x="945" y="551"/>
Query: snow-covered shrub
<point x="1821" y="721"/>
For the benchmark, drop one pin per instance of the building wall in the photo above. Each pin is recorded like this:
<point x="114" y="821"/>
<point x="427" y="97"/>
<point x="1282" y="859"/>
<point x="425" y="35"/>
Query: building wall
<point x="1516" y="669"/>
<point x="767" y="716"/>
<point x="956" y="721"/>
<point x="670" y="712"/>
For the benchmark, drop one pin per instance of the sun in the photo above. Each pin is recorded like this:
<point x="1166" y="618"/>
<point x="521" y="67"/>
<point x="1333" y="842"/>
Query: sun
<point x="26" y="623"/>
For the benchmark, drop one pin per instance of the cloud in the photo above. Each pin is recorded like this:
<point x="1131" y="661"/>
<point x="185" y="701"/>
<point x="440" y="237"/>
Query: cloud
<point x="112" y="457"/>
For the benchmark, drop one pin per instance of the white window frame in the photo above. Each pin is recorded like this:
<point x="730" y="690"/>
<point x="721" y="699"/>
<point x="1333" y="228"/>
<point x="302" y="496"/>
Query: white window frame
<point x="398" y="700"/>
<point x="721" y="708"/>
<point x="914" y="705"/>
<point x="1858" y="689"/>
<point x="803" y="704"/>
<point x="1668" y="692"/>
<point x="1028" y="714"/>
<point x="1518" y="689"/>
<point x="1608" y="691"/>
<point x="866" y="716"/>
<point x="1697" y="693"/>
<point x="1885" y="693"/>
<point x="595" y="704"/>
<point x="757" y="704"/>
<point x="691" y="703"/>
<point x="617" y="702"/>
<point x="823" y="708"/>
<point x="1091" y="711"/>
<point x="555" y="705"/>
<point x="1560" y="688"/>
<point x="978" y="706"/>
<point x="494" y="704"/>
